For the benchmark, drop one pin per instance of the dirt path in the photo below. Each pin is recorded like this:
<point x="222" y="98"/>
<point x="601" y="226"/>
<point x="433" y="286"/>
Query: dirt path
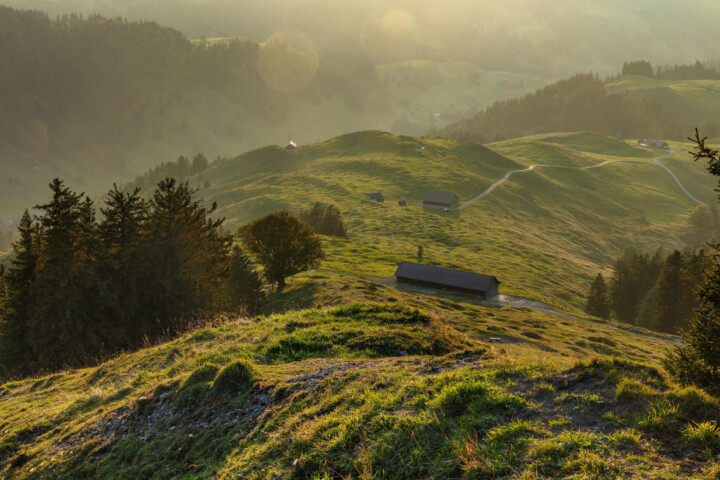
<point x="656" y="161"/>
<point x="522" y="302"/>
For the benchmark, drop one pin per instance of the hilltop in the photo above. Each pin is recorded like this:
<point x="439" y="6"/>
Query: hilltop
<point x="544" y="233"/>
<point x="367" y="389"/>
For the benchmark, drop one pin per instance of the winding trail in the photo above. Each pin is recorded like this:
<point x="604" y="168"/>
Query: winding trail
<point x="656" y="161"/>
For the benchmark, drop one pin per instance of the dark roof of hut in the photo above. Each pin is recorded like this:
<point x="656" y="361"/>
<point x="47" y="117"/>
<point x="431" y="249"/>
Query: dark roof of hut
<point x="445" y="276"/>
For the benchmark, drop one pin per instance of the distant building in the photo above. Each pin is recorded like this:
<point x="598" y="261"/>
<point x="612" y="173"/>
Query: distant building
<point x="375" y="197"/>
<point x="292" y="146"/>
<point x="653" y="143"/>
<point x="438" y="198"/>
<point x="446" y="278"/>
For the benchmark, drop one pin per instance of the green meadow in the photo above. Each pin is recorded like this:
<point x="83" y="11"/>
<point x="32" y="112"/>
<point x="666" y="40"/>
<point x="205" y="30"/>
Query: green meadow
<point x="544" y="233"/>
<point x="346" y="375"/>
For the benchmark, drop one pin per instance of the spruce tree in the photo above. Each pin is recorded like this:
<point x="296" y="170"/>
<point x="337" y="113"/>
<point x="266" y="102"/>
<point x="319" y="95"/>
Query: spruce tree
<point x="186" y="255"/>
<point x="698" y="361"/>
<point x="122" y="231"/>
<point x="15" y="352"/>
<point x="673" y="305"/>
<point x="243" y="284"/>
<point x="66" y="322"/>
<point x="598" y="300"/>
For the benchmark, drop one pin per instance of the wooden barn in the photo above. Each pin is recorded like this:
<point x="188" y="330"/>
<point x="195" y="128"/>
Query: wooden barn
<point x="445" y="278"/>
<point x="375" y="197"/>
<point x="437" y="198"/>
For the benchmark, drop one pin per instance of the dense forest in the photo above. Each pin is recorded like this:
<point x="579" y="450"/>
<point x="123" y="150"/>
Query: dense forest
<point x="81" y="289"/>
<point x="655" y="292"/>
<point x="583" y="102"/>
<point x="75" y="86"/>
<point x="96" y="100"/>
<point x="549" y="38"/>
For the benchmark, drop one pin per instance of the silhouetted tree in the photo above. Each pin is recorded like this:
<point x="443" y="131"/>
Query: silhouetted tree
<point x="598" y="303"/>
<point x="244" y="284"/>
<point x="15" y="351"/>
<point x="66" y="322"/>
<point x="283" y="244"/>
<point x="325" y="220"/>
<point x="698" y="361"/>
<point x="186" y="254"/>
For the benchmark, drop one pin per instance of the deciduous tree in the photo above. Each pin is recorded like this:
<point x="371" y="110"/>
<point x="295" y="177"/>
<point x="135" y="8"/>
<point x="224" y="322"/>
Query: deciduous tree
<point x="283" y="244"/>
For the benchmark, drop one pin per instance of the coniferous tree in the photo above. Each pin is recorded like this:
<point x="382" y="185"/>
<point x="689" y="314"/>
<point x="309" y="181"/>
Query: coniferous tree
<point x="698" y="361"/>
<point x="244" y="285"/>
<point x="66" y="325"/>
<point x="672" y="307"/>
<point x="15" y="352"/>
<point x="123" y="234"/>
<point x="325" y="220"/>
<point x="186" y="254"/>
<point x="598" y="300"/>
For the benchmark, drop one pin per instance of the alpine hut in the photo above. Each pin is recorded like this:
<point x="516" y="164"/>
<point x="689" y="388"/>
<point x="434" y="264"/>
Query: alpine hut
<point x="375" y="197"/>
<point x="437" y="198"/>
<point x="446" y="278"/>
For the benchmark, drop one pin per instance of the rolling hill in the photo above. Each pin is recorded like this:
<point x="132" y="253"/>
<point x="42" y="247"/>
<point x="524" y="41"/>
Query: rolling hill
<point x="376" y="388"/>
<point x="346" y="375"/>
<point x="544" y="233"/>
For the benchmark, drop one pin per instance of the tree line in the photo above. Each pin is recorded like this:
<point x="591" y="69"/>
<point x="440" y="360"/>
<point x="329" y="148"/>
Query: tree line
<point x="79" y="87"/>
<point x="582" y="102"/>
<point x="81" y="289"/>
<point x="577" y="103"/>
<point x="696" y="71"/>
<point x="655" y="292"/>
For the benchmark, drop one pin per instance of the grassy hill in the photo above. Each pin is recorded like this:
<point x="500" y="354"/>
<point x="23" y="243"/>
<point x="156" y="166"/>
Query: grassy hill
<point x="366" y="390"/>
<point x="544" y="233"/>
<point x="347" y="376"/>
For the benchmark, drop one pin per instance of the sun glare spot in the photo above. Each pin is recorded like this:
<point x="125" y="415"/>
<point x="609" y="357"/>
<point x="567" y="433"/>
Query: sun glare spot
<point x="288" y="61"/>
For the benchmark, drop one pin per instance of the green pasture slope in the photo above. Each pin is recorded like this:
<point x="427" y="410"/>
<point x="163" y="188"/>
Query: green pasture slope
<point x="388" y="384"/>
<point x="544" y="233"/>
<point x="345" y="376"/>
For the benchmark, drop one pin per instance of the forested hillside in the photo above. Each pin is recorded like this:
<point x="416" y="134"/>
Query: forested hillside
<point x="635" y="105"/>
<point x="99" y="100"/>
<point x="548" y="38"/>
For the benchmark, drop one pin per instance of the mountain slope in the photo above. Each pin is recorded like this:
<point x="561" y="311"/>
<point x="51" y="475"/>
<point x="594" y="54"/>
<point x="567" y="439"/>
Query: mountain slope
<point x="364" y="389"/>
<point x="544" y="233"/>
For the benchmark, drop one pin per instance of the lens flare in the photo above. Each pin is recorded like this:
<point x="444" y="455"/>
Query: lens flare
<point x="288" y="61"/>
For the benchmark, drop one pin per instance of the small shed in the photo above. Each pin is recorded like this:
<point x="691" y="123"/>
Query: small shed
<point x="439" y="198"/>
<point x="292" y="146"/>
<point x="446" y="278"/>
<point x="375" y="197"/>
